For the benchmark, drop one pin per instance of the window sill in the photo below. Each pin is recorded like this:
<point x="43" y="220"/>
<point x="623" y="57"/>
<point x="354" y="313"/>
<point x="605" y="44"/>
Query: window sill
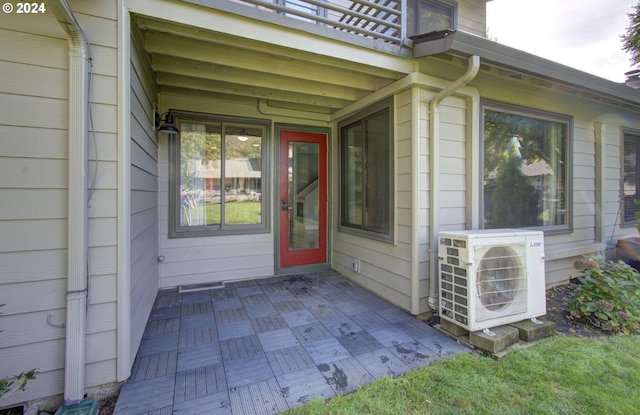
<point x="213" y="233"/>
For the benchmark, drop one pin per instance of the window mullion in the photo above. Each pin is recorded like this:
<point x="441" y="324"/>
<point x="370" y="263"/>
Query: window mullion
<point x="223" y="174"/>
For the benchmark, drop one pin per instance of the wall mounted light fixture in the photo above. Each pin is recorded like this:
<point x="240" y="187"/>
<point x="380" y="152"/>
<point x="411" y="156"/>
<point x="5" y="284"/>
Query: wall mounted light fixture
<point x="167" y="124"/>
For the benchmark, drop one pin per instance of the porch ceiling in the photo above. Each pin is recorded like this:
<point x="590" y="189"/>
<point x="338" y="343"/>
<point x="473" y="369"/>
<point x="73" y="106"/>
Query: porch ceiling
<point x="191" y="61"/>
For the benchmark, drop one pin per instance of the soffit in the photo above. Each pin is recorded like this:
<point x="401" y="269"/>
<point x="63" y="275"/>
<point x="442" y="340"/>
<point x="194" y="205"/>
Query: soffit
<point x="193" y="61"/>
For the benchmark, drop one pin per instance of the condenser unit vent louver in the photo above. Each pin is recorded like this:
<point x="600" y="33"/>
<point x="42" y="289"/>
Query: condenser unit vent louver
<point x="491" y="277"/>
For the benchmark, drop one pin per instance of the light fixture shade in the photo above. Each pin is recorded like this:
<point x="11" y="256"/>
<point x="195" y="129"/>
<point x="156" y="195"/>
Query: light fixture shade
<point x="168" y="127"/>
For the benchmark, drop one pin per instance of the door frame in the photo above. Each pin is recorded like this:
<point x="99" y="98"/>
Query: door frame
<point x="279" y="270"/>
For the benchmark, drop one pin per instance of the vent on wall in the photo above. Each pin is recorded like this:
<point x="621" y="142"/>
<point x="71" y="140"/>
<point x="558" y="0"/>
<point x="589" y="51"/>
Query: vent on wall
<point x="200" y="287"/>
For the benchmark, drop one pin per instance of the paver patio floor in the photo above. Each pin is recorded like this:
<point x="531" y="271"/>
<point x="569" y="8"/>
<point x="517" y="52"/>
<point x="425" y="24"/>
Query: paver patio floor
<point x="264" y="346"/>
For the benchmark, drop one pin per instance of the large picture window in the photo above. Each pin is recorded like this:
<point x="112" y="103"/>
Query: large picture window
<point x="217" y="176"/>
<point x="631" y="160"/>
<point x="526" y="165"/>
<point x="366" y="152"/>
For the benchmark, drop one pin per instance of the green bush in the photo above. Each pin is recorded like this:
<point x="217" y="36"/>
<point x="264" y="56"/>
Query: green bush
<point x="17" y="382"/>
<point x="9" y="384"/>
<point x="608" y="296"/>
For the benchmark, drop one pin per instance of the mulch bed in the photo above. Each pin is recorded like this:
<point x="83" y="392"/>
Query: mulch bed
<point x="557" y="314"/>
<point x="107" y="405"/>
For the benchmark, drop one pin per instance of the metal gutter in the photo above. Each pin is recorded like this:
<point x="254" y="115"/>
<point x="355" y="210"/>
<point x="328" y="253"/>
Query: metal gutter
<point x="465" y="45"/>
<point x="77" y="273"/>
<point x="434" y="169"/>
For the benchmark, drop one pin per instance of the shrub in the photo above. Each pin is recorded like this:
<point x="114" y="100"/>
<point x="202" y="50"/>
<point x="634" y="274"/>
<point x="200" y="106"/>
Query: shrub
<point x="17" y="382"/>
<point x="608" y="296"/>
<point x="9" y="384"/>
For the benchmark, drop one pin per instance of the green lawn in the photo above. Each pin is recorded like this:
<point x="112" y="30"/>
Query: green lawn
<point x="563" y="375"/>
<point x="237" y="213"/>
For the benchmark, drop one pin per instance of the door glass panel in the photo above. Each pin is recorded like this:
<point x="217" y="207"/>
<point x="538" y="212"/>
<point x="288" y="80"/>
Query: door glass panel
<point x="303" y="201"/>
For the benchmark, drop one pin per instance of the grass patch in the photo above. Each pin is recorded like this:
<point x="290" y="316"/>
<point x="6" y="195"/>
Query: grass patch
<point x="563" y="375"/>
<point x="237" y="213"/>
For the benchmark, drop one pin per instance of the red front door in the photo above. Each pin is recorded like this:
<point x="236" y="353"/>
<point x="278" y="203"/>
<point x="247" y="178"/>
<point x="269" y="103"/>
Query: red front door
<point x="303" y="198"/>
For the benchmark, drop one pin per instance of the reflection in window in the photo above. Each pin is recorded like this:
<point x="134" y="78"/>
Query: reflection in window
<point x="200" y="152"/>
<point x="303" y="190"/>
<point x="525" y="168"/>
<point x="303" y="7"/>
<point x="630" y="183"/>
<point x="220" y="176"/>
<point x="366" y="154"/>
<point x="426" y="16"/>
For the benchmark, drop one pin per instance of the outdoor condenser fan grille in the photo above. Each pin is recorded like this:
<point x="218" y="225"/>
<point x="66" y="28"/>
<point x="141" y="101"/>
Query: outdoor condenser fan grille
<point x="501" y="282"/>
<point x="486" y="279"/>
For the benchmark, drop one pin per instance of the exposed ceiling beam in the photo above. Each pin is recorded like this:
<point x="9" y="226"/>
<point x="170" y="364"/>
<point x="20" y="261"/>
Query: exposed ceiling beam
<point x="398" y="68"/>
<point x="186" y="99"/>
<point x="187" y="82"/>
<point x="161" y="63"/>
<point x="165" y="44"/>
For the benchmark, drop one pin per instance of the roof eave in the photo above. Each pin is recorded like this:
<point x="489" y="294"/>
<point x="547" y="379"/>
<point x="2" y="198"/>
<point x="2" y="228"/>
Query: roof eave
<point x="465" y="44"/>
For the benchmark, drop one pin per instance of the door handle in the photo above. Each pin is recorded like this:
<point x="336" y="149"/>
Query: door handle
<point x="285" y="205"/>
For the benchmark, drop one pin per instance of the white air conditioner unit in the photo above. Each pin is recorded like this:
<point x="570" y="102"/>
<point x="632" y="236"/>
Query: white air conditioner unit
<point x="491" y="277"/>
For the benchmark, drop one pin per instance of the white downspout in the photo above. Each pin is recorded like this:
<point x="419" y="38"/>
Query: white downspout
<point x="123" y="344"/>
<point x="434" y="167"/>
<point x="415" y="200"/>
<point x="79" y="61"/>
